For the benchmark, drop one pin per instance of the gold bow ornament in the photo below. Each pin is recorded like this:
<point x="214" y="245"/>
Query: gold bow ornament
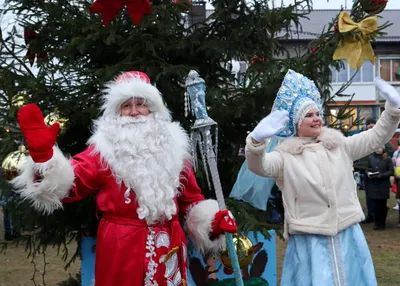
<point x="356" y="50"/>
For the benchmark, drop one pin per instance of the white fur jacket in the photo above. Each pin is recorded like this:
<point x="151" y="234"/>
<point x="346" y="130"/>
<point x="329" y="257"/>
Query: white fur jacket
<point x="315" y="176"/>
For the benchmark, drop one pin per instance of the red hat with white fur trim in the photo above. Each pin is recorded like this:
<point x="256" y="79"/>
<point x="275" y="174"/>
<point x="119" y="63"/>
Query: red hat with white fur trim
<point x="129" y="85"/>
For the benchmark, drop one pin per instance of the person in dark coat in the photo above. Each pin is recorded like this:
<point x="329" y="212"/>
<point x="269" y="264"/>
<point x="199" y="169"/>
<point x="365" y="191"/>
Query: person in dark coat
<point x="378" y="188"/>
<point x="362" y="167"/>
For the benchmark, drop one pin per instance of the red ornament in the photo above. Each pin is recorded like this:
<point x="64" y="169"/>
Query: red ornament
<point x="255" y="60"/>
<point x="29" y="37"/>
<point x="336" y="27"/>
<point x="313" y="50"/>
<point x="185" y="4"/>
<point x="373" y="6"/>
<point x="110" y="8"/>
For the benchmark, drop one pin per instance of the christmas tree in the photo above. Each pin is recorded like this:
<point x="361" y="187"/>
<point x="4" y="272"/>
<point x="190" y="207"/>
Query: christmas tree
<point x="59" y="55"/>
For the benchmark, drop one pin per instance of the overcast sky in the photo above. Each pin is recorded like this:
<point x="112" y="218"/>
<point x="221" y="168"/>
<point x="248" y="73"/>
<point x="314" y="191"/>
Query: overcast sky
<point x="331" y="4"/>
<point x="337" y="4"/>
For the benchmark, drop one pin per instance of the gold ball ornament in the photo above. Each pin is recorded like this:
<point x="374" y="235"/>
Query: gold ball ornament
<point x="12" y="163"/>
<point x="20" y="99"/>
<point x="373" y="6"/>
<point x="54" y="117"/>
<point x="244" y="251"/>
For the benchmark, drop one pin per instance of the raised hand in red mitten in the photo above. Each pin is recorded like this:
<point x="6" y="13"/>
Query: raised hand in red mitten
<point x="39" y="137"/>
<point x="223" y="222"/>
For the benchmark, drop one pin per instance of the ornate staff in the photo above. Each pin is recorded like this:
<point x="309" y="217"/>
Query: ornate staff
<point x="201" y="139"/>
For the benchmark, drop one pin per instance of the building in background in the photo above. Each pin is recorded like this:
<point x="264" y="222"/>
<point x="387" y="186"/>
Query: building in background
<point x="366" y="102"/>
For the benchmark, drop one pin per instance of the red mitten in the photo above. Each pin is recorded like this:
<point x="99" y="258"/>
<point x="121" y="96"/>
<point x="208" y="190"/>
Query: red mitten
<point x="223" y="222"/>
<point x="39" y="137"/>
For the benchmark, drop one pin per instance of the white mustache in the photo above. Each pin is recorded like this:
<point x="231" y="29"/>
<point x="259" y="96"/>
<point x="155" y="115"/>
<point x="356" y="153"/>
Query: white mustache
<point x="127" y="120"/>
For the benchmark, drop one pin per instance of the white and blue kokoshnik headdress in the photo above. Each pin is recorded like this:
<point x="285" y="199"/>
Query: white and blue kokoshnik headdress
<point x="297" y="95"/>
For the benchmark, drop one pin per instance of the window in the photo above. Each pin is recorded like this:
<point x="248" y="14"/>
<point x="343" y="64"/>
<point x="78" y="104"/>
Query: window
<point x="365" y="74"/>
<point x="343" y="74"/>
<point x="333" y="112"/>
<point x="367" y="70"/>
<point x="354" y="113"/>
<point x="390" y="69"/>
<point x="348" y="123"/>
<point x="242" y="72"/>
<point x="366" y="112"/>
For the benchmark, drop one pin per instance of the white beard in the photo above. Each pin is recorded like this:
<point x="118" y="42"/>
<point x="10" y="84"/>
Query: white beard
<point x="147" y="155"/>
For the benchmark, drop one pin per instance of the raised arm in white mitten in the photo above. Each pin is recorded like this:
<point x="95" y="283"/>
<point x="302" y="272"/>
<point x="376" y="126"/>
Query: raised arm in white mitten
<point x="270" y="125"/>
<point x="388" y="92"/>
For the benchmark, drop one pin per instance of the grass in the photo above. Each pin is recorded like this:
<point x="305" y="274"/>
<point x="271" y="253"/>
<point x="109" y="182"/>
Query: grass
<point x="16" y="268"/>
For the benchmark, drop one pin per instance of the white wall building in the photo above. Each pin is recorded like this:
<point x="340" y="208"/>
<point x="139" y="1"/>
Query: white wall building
<point x="366" y="102"/>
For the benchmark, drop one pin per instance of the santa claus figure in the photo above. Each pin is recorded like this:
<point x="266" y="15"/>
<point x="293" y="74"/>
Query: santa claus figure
<point x="137" y="164"/>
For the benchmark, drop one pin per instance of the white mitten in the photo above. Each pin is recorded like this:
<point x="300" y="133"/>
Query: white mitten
<point x="270" y="125"/>
<point x="388" y="92"/>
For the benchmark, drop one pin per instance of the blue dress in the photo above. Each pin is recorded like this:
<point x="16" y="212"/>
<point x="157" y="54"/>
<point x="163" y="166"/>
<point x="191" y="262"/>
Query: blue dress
<point x="341" y="260"/>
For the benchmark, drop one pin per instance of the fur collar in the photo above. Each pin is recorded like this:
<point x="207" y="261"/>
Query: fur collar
<point x="329" y="138"/>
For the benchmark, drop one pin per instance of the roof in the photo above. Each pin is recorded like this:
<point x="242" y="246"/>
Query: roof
<point x="312" y="27"/>
<point x="314" y="23"/>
